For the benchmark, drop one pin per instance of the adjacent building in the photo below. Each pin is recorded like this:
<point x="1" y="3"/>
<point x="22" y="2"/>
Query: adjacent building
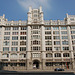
<point x="37" y="43"/>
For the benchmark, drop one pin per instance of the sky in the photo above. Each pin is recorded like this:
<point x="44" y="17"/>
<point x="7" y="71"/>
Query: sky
<point x="53" y="9"/>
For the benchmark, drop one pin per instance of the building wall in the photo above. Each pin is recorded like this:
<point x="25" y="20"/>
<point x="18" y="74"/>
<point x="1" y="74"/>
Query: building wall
<point x="46" y="44"/>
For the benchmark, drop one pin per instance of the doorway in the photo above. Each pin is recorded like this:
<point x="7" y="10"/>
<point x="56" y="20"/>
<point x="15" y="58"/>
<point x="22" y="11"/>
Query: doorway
<point x="35" y="64"/>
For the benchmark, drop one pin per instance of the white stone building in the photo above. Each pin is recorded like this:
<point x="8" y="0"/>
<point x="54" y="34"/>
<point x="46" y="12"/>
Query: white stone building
<point x="37" y="43"/>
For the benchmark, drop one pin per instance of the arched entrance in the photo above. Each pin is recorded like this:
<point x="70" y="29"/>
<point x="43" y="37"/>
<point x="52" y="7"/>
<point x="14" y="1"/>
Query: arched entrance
<point x="35" y="64"/>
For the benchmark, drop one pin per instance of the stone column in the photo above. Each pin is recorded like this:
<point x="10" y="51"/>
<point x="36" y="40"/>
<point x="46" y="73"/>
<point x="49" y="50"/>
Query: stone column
<point x="28" y="49"/>
<point x="43" y="46"/>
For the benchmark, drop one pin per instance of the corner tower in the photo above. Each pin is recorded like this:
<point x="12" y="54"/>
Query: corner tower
<point x="35" y="16"/>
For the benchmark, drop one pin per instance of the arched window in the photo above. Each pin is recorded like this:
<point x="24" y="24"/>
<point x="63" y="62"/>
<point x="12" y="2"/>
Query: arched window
<point x="66" y="55"/>
<point x="14" y="55"/>
<point x="48" y="55"/>
<point x="22" y="55"/>
<point x="57" y="55"/>
<point x="5" y="55"/>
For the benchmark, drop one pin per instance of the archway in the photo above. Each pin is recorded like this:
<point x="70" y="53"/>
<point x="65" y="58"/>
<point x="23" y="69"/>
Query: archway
<point x="35" y="64"/>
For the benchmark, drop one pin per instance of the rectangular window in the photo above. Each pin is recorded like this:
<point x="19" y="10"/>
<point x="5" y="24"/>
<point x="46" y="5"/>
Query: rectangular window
<point x="64" y="37"/>
<point x="65" y="48"/>
<point x="47" y="28"/>
<point x="73" y="47"/>
<point x="6" y="37"/>
<point x="56" y="42"/>
<point x="63" y="28"/>
<point x="56" y="37"/>
<point x="36" y="55"/>
<point x="48" y="32"/>
<point x="56" y="48"/>
<point x="64" y="42"/>
<point x="14" y="49"/>
<point x="14" y="33"/>
<point x="63" y="32"/>
<point x="73" y="36"/>
<point x="48" y="48"/>
<point x="72" y="32"/>
<point x="6" y="33"/>
<point x="72" y="27"/>
<point x="47" y="37"/>
<point x="6" y="43"/>
<point x="55" y="28"/>
<point x="22" y="33"/>
<point x="5" y="48"/>
<point x="55" y="32"/>
<point x="36" y="48"/>
<point x="14" y="43"/>
<point x="7" y="28"/>
<point x="23" y="28"/>
<point x="22" y="43"/>
<point x="73" y="42"/>
<point x="48" y="42"/>
<point x="35" y="37"/>
<point x="35" y="32"/>
<point x="15" y="38"/>
<point x="22" y="37"/>
<point x="22" y="48"/>
<point x="15" y="28"/>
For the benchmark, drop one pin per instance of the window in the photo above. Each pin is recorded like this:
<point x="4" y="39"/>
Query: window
<point x="6" y="33"/>
<point x="14" y="43"/>
<point x="35" y="42"/>
<point x="64" y="42"/>
<point x="22" y="33"/>
<point x="56" y="48"/>
<point x="65" y="48"/>
<point x="7" y="28"/>
<point x="13" y="55"/>
<point x="36" y="55"/>
<point x="63" y="32"/>
<point x="72" y="32"/>
<point x="22" y="43"/>
<point x="63" y="28"/>
<point x="22" y="48"/>
<point x="48" y="32"/>
<point x="57" y="55"/>
<point x="73" y="36"/>
<point x="73" y="42"/>
<point x="72" y="27"/>
<point x="36" y="48"/>
<point x="56" y="42"/>
<point x="6" y="37"/>
<point x="56" y="37"/>
<point x="15" y="38"/>
<point x="64" y="37"/>
<point x="6" y="43"/>
<point x="49" y="64"/>
<point x="15" y="28"/>
<point x="48" y="42"/>
<point x="14" y="49"/>
<point x="66" y="55"/>
<point x="23" y="38"/>
<point x="5" y="48"/>
<point x="5" y="55"/>
<point x="14" y="33"/>
<point x="35" y="27"/>
<point x="35" y="37"/>
<point x="48" y="55"/>
<point x="23" y="28"/>
<point x="55" y="32"/>
<point x="22" y="55"/>
<point x="47" y="37"/>
<point x="55" y="28"/>
<point x="47" y="28"/>
<point x="35" y="32"/>
<point x="48" y="48"/>
<point x="73" y="47"/>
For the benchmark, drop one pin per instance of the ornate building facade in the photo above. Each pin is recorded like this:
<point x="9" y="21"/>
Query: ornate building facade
<point x="37" y="43"/>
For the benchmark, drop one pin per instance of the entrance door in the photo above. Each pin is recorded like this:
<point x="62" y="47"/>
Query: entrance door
<point x="36" y="64"/>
